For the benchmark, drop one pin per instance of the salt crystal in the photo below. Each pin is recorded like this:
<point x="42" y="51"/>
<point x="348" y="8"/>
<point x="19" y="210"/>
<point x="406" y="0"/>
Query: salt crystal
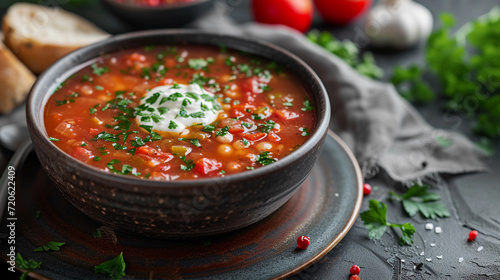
<point x="433" y="244"/>
<point x="460" y="259"/>
<point x="438" y="230"/>
<point x="480" y="248"/>
<point x="429" y="226"/>
<point x="402" y="260"/>
<point x="336" y="195"/>
<point x="439" y="257"/>
<point x="428" y="259"/>
<point x="422" y="253"/>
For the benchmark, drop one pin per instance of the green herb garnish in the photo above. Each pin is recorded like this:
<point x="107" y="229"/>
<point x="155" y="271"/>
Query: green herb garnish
<point x="264" y="159"/>
<point x="376" y="223"/>
<point x="418" y="199"/>
<point x="114" y="268"/>
<point x="51" y="246"/>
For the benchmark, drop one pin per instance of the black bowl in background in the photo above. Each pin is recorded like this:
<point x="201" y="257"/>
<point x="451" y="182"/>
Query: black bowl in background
<point x="184" y="208"/>
<point x="161" y="16"/>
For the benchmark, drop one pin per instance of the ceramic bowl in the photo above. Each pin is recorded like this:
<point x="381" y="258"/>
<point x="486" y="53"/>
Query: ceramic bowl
<point x="161" y="16"/>
<point x="185" y="208"/>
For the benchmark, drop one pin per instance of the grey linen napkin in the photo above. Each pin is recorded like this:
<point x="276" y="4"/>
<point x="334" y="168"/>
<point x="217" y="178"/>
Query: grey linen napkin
<point x="381" y="128"/>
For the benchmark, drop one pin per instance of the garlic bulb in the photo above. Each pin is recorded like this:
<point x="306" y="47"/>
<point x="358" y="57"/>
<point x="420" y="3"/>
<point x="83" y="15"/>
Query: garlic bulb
<point x="398" y="23"/>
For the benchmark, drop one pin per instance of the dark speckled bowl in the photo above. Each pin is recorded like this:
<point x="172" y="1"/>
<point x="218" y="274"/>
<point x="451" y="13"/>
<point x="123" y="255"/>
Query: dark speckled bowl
<point x="161" y="16"/>
<point x="176" y="209"/>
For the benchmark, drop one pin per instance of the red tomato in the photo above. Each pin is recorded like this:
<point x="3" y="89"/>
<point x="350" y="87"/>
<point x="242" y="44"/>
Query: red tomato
<point x="234" y="125"/>
<point x="82" y="154"/>
<point x="207" y="165"/>
<point x="341" y="11"/>
<point x="286" y="115"/>
<point x="254" y="136"/>
<point x="296" y="14"/>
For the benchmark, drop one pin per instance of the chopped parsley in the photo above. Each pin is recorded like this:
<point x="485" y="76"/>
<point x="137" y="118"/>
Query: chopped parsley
<point x="99" y="70"/>
<point x="223" y="131"/>
<point x="305" y="131"/>
<point x="114" y="268"/>
<point x="97" y="234"/>
<point x="53" y="139"/>
<point x="267" y="126"/>
<point x="172" y="125"/>
<point x="197" y="63"/>
<point x="307" y="106"/>
<point x="193" y="141"/>
<point x="65" y="101"/>
<point x="126" y="169"/>
<point x="264" y="159"/>
<point x="208" y="128"/>
<point x="245" y="142"/>
<point x="189" y="165"/>
<point x="51" y="246"/>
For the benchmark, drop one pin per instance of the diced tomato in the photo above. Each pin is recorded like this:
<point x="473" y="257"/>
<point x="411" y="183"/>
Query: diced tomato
<point x="207" y="165"/>
<point x="254" y="136"/>
<point x="134" y="58"/>
<point x="162" y="168"/>
<point x="234" y="125"/>
<point x="273" y="137"/>
<point x="240" y="110"/>
<point x="165" y="82"/>
<point x="82" y="154"/>
<point x="286" y="115"/>
<point x="153" y="153"/>
<point x="93" y="131"/>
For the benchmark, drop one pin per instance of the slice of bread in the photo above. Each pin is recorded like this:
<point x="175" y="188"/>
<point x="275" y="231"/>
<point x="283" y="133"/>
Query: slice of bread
<point x="15" y="80"/>
<point x="40" y="35"/>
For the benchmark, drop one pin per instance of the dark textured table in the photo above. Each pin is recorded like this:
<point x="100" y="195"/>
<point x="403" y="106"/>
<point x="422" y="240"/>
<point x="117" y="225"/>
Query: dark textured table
<point x="473" y="199"/>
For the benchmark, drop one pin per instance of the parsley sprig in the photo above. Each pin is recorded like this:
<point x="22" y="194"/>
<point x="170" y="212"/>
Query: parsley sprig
<point x="418" y="199"/>
<point x="376" y="223"/>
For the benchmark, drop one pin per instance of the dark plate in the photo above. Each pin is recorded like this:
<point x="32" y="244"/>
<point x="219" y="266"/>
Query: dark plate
<point x="324" y="208"/>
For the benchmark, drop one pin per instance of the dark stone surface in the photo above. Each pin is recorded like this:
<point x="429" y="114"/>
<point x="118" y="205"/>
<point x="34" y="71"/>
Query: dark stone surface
<point x="473" y="199"/>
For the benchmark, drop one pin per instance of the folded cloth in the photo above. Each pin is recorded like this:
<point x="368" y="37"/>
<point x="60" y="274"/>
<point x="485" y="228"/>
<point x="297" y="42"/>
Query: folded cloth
<point x="381" y="128"/>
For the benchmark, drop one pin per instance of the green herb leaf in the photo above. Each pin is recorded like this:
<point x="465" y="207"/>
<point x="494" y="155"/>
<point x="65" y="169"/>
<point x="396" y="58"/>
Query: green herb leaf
<point x="307" y="106"/>
<point x="99" y="70"/>
<point x="267" y="126"/>
<point x="208" y="128"/>
<point x="418" y="199"/>
<point x="264" y="158"/>
<point x="27" y="265"/>
<point x="222" y="132"/>
<point x="53" y="139"/>
<point x="189" y="165"/>
<point x="375" y="222"/>
<point x="51" y="246"/>
<point x="197" y="63"/>
<point x="114" y="268"/>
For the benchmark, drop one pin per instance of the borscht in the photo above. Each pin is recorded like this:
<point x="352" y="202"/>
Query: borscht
<point x="179" y="112"/>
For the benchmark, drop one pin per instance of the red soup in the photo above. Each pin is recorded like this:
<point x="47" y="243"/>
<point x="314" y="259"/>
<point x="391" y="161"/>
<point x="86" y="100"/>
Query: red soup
<point x="179" y="112"/>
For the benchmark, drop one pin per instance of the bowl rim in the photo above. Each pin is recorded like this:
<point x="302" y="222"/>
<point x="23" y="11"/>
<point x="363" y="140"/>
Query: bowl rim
<point x="145" y="8"/>
<point x="45" y="79"/>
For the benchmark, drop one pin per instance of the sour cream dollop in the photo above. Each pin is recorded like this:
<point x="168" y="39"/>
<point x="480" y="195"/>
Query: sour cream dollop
<point x="173" y="108"/>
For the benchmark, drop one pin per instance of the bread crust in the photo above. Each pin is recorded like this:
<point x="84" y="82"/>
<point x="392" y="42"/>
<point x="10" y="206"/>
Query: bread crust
<point x="15" y="80"/>
<point x="36" y="55"/>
